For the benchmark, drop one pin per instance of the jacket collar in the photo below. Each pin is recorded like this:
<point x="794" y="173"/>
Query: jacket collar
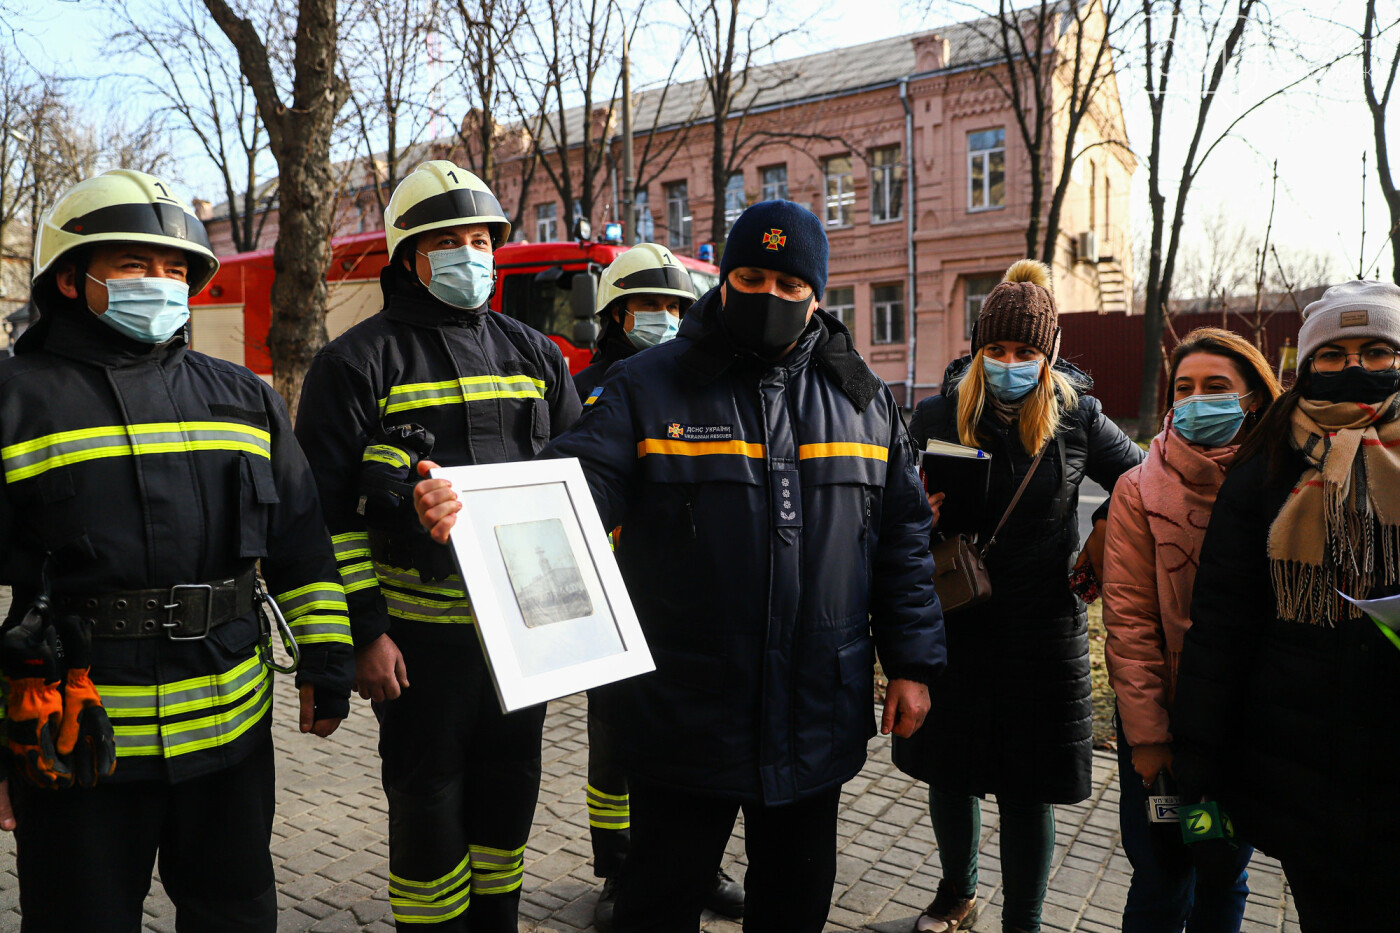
<point x="825" y="341"/>
<point x="76" y="334"/>
<point x="406" y="300"/>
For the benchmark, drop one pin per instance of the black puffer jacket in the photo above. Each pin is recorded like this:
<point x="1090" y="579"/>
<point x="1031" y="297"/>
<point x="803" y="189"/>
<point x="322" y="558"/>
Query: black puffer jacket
<point x="1012" y="714"/>
<point x="774" y="539"/>
<point x="1294" y="727"/>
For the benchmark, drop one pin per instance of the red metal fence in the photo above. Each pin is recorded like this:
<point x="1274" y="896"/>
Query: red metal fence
<point x="1110" y="348"/>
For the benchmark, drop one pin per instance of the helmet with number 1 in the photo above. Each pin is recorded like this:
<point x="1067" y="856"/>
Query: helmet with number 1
<point x="124" y="206"/>
<point x="439" y="194"/>
<point x="645" y="269"/>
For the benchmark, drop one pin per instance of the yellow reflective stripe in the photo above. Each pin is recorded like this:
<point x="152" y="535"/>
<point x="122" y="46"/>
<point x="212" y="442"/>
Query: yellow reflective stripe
<point x="198" y="734"/>
<point x="355" y="577"/>
<point x="390" y="575"/>
<point x="431" y="901"/>
<point x="437" y="885"/>
<point x="38" y="455"/>
<point x="211" y="731"/>
<point x="408" y="910"/>
<point x="298" y="602"/>
<point x="318" y="629"/>
<point x="658" y="445"/>
<point x="592" y="791"/>
<point x="497" y="871"/>
<point x="497" y="882"/>
<point x="866" y="451"/>
<point x="457" y="391"/>
<point x="382" y="453"/>
<point x="126" y="701"/>
<point x="349" y="537"/>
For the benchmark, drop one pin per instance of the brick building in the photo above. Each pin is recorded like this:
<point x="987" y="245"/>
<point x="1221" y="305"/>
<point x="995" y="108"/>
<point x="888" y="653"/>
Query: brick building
<point x="933" y="247"/>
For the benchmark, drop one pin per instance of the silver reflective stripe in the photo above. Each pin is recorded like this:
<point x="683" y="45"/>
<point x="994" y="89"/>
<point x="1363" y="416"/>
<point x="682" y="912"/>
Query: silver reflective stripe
<point x="355" y="577"/>
<point x="496" y="859"/>
<point x="431" y="901"/>
<point x="428" y="890"/>
<point x="298" y="602"/>
<point x="30" y="458"/>
<point x="219" y="729"/>
<point x="313" y="629"/>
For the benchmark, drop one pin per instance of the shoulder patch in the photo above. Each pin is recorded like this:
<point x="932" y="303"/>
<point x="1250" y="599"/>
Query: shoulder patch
<point x="699" y="432"/>
<point x="593" y="395"/>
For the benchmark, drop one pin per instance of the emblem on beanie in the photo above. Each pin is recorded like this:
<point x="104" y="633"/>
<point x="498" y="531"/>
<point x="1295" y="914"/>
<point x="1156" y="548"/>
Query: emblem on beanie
<point x="1360" y="318"/>
<point x="774" y="239"/>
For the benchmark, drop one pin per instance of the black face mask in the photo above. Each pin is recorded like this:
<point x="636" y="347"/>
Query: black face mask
<point x="762" y="322"/>
<point x="1353" y="384"/>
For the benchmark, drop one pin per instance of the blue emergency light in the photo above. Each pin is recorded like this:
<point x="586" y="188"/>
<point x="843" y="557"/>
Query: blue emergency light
<point x="612" y="233"/>
<point x="706" y="252"/>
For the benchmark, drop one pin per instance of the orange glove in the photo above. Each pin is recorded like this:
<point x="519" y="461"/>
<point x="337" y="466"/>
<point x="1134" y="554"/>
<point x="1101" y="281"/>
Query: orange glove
<point x="29" y="659"/>
<point x="85" y="738"/>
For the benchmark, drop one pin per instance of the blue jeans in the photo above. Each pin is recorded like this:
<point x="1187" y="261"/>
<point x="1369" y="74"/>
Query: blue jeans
<point x="1165" y="898"/>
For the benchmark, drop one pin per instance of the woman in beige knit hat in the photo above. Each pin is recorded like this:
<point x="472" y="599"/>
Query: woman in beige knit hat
<point x="1287" y="708"/>
<point x="1011" y="716"/>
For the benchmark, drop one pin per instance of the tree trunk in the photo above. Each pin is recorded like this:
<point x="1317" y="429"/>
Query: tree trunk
<point x="299" y="261"/>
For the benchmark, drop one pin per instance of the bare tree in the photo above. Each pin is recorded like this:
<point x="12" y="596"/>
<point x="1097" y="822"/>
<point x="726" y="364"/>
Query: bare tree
<point x="1054" y="62"/>
<point x="299" y="129"/>
<point x="572" y="45"/>
<point x="388" y="48"/>
<point x="199" y="83"/>
<point x="1378" y="103"/>
<point x="732" y="38"/>
<point x="1223" y="46"/>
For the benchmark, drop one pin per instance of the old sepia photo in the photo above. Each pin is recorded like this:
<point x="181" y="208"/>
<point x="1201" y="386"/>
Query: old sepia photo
<point x="543" y="572"/>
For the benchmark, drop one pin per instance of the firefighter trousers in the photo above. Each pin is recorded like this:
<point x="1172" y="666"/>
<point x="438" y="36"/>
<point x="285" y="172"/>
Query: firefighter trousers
<point x="461" y="780"/>
<point x="609" y="816"/>
<point x="85" y="855"/>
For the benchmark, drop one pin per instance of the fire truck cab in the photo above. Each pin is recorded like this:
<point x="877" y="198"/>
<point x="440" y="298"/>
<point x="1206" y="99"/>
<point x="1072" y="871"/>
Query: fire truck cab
<point x="537" y="283"/>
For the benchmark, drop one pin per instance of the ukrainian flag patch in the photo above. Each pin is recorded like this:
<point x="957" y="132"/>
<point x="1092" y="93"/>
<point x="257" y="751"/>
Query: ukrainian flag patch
<point x="593" y="396"/>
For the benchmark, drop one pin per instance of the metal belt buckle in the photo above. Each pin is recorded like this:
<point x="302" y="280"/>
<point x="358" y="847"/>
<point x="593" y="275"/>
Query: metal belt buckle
<point x="170" y="624"/>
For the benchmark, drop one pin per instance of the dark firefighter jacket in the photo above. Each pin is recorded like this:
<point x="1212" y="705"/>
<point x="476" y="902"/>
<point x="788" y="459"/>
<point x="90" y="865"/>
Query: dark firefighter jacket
<point x="490" y="390"/>
<point x="773" y="523"/>
<point x="613" y="346"/>
<point x="140" y="467"/>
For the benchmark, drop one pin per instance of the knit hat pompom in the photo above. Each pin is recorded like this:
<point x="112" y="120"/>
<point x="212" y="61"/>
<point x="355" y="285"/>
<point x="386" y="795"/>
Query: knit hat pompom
<point x="1030" y="271"/>
<point x="1022" y="308"/>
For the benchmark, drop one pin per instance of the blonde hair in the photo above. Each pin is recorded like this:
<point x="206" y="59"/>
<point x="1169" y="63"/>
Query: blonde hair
<point x="1042" y="411"/>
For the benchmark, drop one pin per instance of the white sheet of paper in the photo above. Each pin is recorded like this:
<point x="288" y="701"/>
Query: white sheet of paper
<point x="1385" y="610"/>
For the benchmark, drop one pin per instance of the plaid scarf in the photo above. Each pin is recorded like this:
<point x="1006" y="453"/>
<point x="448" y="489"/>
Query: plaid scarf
<point x="1355" y="499"/>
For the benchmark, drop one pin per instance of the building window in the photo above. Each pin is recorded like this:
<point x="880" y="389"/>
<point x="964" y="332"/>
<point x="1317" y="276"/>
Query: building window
<point x="646" y="225"/>
<point x="546" y="222"/>
<point x="887" y="313"/>
<point x="733" y="199"/>
<point x="840" y="191"/>
<point x="986" y="169"/>
<point x="976" y="288"/>
<point x="886" y="185"/>
<point x="841" y="302"/>
<point x="575" y="215"/>
<point x="678" y="216"/>
<point x="775" y="183"/>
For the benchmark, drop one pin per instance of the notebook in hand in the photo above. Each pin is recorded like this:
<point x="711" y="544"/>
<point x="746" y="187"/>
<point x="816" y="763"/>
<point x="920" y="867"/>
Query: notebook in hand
<point x="962" y="474"/>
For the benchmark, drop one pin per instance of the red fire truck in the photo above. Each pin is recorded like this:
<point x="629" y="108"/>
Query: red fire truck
<point x="537" y="283"/>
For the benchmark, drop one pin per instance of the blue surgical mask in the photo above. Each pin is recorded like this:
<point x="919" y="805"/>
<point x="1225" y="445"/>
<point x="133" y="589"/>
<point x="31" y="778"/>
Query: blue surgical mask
<point x="652" y="327"/>
<point x="1011" y="382"/>
<point x="151" y="310"/>
<point x="462" y="277"/>
<point x="1209" y="420"/>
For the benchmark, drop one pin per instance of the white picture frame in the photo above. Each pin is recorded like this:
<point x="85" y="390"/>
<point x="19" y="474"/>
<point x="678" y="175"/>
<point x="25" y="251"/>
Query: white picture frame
<point x="552" y="612"/>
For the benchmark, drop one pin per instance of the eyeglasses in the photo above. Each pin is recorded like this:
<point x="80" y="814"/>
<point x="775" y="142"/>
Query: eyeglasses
<point x="1377" y="357"/>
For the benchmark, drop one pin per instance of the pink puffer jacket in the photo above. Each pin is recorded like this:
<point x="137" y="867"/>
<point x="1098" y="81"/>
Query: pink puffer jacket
<point x="1156" y="522"/>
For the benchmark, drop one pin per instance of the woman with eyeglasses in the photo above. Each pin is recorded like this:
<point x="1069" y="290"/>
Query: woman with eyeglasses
<point x="1287" y="710"/>
<point x="1220" y="386"/>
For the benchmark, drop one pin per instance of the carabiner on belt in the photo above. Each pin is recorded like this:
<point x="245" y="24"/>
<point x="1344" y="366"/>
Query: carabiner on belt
<point x="270" y="614"/>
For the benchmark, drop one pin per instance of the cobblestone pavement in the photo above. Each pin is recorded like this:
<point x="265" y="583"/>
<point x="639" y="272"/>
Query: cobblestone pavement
<point x="331" y="852"/>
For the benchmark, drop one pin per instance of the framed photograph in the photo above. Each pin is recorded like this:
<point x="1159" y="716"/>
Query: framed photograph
<point x="551" y="610"/>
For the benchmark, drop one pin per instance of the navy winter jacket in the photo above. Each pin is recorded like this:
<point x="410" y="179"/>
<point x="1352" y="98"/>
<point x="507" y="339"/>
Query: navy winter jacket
<point x="774" y="536"/>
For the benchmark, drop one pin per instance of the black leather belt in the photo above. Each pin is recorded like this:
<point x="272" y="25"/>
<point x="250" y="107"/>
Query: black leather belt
<point x="184" y="612"/>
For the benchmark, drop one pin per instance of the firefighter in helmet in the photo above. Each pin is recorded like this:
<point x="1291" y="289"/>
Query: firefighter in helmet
<point x="642" y="297"/>
<point x="435" y="372"/>
<point x="144" y="483"/>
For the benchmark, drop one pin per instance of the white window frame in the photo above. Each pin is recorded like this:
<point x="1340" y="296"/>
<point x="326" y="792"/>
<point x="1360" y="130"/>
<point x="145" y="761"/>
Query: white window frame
<point x="889" y="180"/>
<point x="845" y="311"/>
<point x="546" y="222"/>
<point x="646" y="222"/>
<point x="774" y="190"/>
<point x="882" y="315"/>
<point x="985" y="155"/>
<point x="678" y="222"/>
<point x="844" y="201"/>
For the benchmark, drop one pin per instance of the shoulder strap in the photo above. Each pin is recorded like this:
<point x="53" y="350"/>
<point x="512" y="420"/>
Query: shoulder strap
<point x="1017" y="498"/>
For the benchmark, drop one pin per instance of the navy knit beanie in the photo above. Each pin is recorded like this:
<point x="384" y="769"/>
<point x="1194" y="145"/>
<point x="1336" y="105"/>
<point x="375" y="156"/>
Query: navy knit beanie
<point x="781" y="236"/>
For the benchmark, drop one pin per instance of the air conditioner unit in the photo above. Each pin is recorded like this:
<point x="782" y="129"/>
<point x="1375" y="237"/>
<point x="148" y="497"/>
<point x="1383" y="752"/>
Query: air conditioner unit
<point x="1087" y="245"/>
